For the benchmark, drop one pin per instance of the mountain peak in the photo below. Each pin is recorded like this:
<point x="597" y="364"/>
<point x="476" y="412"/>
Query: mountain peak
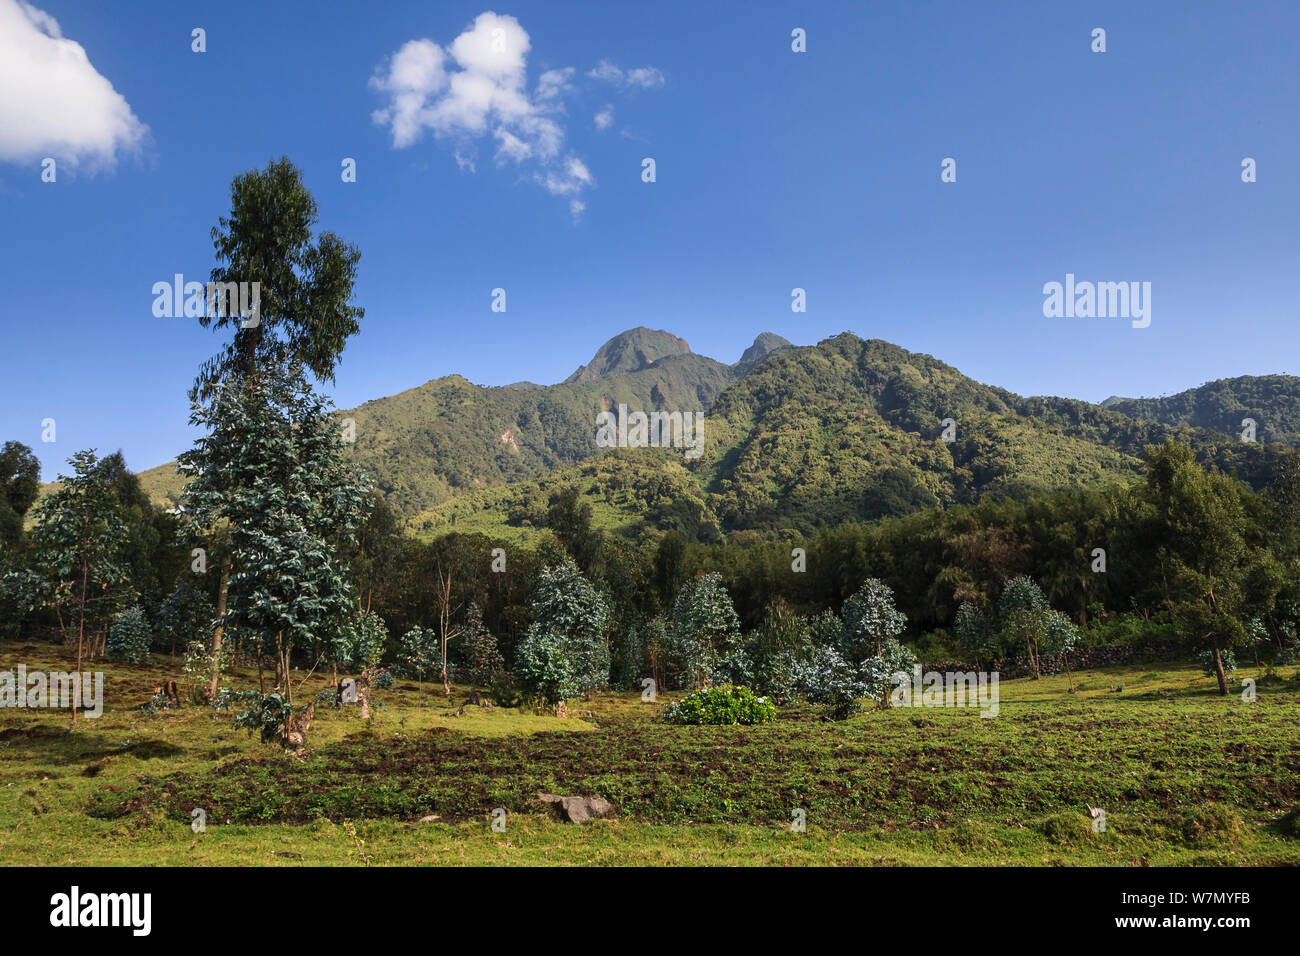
<point x="764" y="345"/>
<point x="630" y="351"/>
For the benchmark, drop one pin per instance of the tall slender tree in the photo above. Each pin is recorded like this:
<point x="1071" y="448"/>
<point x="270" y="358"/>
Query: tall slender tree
<point x="303" y="314"/>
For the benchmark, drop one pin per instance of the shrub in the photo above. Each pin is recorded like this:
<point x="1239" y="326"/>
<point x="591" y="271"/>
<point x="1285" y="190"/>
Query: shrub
<point x="330" y="696"/>
<point x="1127" y="628"/>
<point x="504" y="690"/>
<point x="546" y="667"/>
<point x="359" y="643"/>
<point x="479" y="652"/>
<point x="726" y="704"/>
<point x="878" y="672"/>
<point x="267" y="713"/>
<point x="157" y="702"/>
<point x="831" y="680"/>
<point x="976" y="636"/>
<point x="870" y="619"/>
<point x="735" y="667"/>
<point x="129" y="637"/>
<point x="421" y="653"/>
<point x="197" y="666"/>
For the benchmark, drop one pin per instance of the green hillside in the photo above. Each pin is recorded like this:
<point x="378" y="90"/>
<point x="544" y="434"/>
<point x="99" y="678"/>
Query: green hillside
<point x="449" y="436"/>
<point x="794" y="436"/>
<point x="849" y="429"/>
<point x="1273" y="401"/>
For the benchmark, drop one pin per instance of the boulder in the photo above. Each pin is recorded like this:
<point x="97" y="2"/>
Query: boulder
<point x="577" y="809"/>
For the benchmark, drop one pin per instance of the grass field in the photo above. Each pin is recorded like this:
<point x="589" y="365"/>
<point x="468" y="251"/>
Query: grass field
<point x="1185" y="777"/>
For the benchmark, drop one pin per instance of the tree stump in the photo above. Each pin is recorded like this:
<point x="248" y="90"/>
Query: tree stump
<point x="360" y="694"/>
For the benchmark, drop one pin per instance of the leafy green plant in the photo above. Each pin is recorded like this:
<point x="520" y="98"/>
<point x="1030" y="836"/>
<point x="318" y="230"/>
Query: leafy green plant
<point x="725" y="704"/>
<point x="421" y="655"/>
<point x="129" y="637"/>
<point x="268" y="714"/>
<point x="504" y="691"/>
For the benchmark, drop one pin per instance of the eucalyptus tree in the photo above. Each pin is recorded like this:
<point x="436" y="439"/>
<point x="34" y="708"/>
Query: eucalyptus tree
<point x="704" y="627"/>
<point x="870" y="619"/>
<point x="1025" y="616"/>
<point x="566" y="651"/>
<point x="303" y="314"/>
<point x="306" y="281"/>
<point x="77" y="548"/>
<point x="271" y="468"/>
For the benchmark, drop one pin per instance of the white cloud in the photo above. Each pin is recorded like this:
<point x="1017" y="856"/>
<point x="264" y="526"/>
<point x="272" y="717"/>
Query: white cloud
<point x="643" y="77"/>
<point x="553" y="84"/>
<point x="512" y="147"/>
<point x="475" y="91"/>
<point x="477" y="88"/>
<point x="569" y="178"/>
<point x="646" y="77"/>
<point x="604" y="70"/>
<point x="53" y="102"/>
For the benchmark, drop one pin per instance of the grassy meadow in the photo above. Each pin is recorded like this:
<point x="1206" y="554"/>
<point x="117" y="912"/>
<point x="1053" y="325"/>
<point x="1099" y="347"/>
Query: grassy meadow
<point x="1185" y="777"/>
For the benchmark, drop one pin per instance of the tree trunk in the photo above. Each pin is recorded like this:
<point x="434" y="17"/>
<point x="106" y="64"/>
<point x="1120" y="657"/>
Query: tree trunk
<point x="220" y="631"/>
<point x="1220" y="673"/>
<point x="363" y="694"/>
<point x="81" y="624"/>
<point x="279" y="665"/>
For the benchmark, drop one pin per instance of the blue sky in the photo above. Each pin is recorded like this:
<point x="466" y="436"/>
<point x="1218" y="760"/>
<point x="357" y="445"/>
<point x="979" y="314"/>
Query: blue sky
<point x="775" y="170"/>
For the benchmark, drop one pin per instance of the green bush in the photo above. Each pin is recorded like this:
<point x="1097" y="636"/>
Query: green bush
<point x="726" y="704"/>
<point x="129" y="637"/>
<point x="1125" y="628"/>
<point x="504" y="691"/>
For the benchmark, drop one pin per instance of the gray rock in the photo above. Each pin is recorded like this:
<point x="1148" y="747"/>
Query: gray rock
<point x="577" y="809"/>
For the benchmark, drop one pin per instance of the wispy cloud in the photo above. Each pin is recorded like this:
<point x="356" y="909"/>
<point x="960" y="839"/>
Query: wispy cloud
<point x="642" y="77"/>
<point x="53" y="102"/>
